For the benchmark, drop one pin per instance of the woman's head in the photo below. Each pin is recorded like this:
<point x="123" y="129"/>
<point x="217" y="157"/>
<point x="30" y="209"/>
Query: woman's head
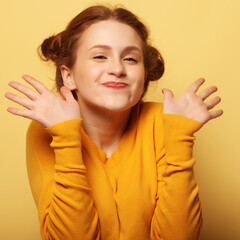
<point x="61" y="48"/>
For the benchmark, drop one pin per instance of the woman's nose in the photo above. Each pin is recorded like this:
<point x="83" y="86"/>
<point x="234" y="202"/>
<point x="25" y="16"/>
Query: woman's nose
<point x="116" y="67"/>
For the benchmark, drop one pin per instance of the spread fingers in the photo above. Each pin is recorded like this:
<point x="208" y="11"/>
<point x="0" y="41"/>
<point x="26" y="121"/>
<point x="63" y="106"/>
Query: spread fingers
<point x="207" y="92"/>
<point x="28" y="92"/>
<point x="212" y="103"/>
<point x="25" y="102"/>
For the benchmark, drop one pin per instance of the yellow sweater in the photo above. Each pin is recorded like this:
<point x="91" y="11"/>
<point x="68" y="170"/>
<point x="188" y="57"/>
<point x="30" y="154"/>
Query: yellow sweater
<point x="145" y="190"/>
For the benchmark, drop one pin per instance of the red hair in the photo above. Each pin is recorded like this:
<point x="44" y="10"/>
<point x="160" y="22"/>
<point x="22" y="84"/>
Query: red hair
<point x="61" y="48"/>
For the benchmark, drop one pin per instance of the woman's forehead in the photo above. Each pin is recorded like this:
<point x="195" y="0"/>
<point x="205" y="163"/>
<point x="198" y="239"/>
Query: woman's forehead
<point x="110" y="33"/>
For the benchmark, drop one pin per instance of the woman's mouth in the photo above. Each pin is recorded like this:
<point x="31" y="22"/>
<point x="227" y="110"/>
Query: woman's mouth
<point x="115" y="85"/>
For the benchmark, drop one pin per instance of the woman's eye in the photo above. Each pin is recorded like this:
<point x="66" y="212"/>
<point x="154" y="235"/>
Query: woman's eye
<point x="99" y="57"/>
<point x="130" y="59"/>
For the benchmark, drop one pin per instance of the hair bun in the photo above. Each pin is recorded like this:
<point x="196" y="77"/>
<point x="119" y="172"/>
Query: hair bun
<point x="157" y="71"/>
<point x="155" y="64"/>
<point x="51" y="47"/>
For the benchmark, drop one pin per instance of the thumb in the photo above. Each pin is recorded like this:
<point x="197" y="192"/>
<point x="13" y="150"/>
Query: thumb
<point x="168" y="94"/>
<point x="66" y="93"/>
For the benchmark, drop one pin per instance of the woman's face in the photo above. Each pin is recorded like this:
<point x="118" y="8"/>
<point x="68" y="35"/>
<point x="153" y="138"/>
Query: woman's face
<point x="109" y="70"/>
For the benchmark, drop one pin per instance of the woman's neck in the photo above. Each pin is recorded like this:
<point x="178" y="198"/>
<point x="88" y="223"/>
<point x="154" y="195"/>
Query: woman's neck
<point x="105" y="128"/>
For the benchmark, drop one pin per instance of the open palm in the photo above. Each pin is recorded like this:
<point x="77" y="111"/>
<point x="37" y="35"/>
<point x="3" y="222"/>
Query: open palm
<point x="41" y="104"/>
<point x="191" y="105"/>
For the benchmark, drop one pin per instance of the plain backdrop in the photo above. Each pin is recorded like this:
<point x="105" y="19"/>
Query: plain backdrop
<point x="196" y="39"/>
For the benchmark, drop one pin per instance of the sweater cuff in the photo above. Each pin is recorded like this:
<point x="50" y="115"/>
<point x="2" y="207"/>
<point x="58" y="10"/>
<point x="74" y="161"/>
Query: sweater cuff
<point x="66" y="134"/>
<point x="180" y="124"/>
<point x="179" y="136"/>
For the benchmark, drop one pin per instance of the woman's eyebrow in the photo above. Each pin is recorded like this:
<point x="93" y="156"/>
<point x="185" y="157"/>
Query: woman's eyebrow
<point x="107" y="47"/>
<point x="132" y="48"/>
<point x="99" y="46"/>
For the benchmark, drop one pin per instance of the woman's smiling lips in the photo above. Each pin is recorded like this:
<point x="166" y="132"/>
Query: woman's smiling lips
<point x="115" y="85"/>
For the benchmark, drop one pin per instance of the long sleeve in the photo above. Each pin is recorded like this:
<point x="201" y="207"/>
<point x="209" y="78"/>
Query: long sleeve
<point x="145" y="190"/>
<point x="65" y="205"/>
<point x="177" y="215"/>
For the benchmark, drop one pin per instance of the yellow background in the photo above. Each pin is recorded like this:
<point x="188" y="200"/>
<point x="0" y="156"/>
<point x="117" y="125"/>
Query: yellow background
<point x="196" y="38"/>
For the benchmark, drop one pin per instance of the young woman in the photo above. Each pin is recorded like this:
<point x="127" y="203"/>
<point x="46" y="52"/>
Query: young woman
<point x="102" y="164"/>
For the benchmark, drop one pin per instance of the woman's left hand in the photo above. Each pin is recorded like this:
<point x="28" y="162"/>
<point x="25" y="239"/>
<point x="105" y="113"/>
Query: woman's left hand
<point x="191" y="105"/>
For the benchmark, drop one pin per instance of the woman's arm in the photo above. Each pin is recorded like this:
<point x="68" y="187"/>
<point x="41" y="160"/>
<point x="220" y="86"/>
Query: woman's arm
<point x="59" y="183"/>
<point x="178" y="210"/>
<point x="56" y="170"/>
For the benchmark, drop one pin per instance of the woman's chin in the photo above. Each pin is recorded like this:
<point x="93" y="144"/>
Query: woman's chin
<point x="116" y="106"/>
<point x="120" y="105"/>
<point x="111" y="104"/>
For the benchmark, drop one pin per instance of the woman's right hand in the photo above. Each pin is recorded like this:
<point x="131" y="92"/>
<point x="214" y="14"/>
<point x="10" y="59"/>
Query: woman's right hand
<point x="42" y="105"/>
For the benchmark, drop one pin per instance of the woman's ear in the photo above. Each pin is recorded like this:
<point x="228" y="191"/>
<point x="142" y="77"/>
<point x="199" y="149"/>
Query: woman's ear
<point x="67" y="77"/>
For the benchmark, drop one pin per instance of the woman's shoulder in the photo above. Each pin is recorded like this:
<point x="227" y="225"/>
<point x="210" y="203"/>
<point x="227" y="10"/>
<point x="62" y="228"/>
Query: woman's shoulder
<point x="148" y="113"/>
<point x="151" y="108"/>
